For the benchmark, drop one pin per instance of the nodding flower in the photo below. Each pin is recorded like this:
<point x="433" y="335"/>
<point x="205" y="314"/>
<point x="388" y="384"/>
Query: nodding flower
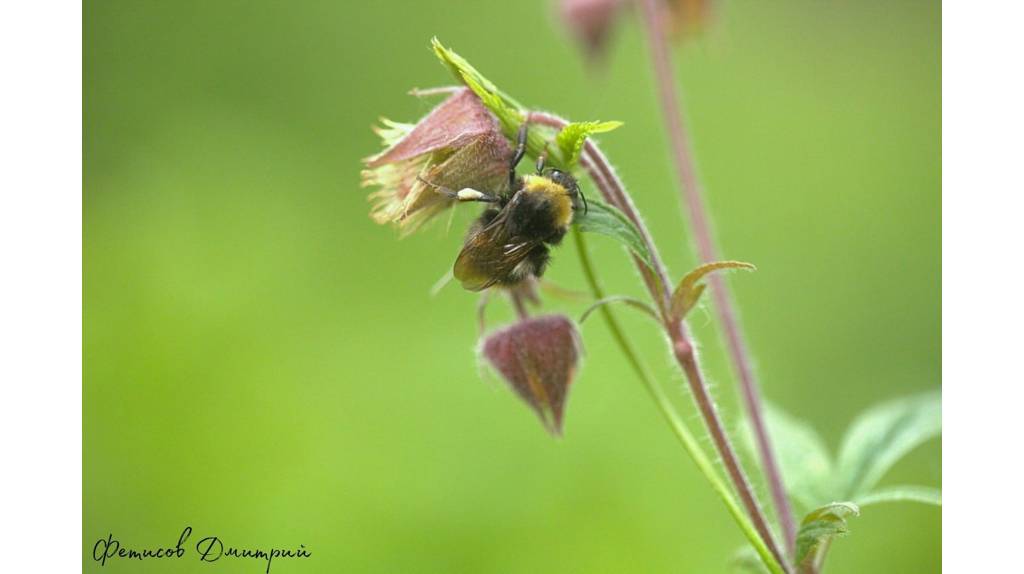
<point x="457" y="145"/>
<point x="538" y="358"/>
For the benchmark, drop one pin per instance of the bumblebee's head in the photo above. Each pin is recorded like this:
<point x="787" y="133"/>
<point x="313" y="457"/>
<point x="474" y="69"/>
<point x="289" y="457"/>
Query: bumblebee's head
<point x="570" y="184"/>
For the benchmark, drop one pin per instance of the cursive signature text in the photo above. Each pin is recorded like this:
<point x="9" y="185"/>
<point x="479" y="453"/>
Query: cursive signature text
<point x="208" y="549"/>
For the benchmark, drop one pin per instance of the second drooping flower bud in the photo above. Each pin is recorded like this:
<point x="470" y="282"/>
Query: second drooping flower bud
<point x="538" y="358"/>
<point x="593" y="22"/>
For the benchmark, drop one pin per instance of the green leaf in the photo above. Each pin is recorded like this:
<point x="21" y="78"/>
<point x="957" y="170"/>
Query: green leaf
<point x="572" y="137"/>
<point x="631" y="301"/>
<point x="606" y="220"/>
<point x="501" y="104"/>
<point x="803" y="458"/>
<point x="922" y="494"/>
<point x="882" y="435"/>
<point x="820" y="526"/>
<point x="509" y="112"/>
<point x="688" y="292"/>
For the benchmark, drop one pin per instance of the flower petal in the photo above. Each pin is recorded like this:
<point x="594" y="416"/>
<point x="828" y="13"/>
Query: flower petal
<point x="454" y="123"/>
<point x="538" y="358"/>
<point x="457" y="145"/>
<point x="482" y="164"/>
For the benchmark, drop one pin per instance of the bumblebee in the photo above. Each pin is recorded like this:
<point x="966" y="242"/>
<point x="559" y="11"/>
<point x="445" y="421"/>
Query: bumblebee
<point x="510" y="240"/>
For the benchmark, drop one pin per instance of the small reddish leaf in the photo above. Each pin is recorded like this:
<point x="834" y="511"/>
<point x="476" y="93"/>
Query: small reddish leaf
<point x="688" y="292"/>
<point x="538" y="358"/>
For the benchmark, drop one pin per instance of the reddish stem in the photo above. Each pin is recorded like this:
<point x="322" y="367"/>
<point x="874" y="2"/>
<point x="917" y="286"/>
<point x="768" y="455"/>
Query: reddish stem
<point x="657" y="281"/>
<point x="519" y="305"/>
<point x="733" y="333"/>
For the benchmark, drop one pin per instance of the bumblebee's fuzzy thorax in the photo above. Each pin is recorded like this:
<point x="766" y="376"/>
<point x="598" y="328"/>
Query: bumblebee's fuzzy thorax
<point x="555" y="197"/>
<point x="510" y="241"/>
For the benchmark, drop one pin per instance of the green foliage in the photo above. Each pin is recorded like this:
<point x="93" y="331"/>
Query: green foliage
<point x="631" y="301"/>
<point x="688" y="292"/>
<point x="507" y="110"/>
<point x="882" y="435"/>
<point x="903" y="493"/>
<point x="511" y="114"/>
<point x="606" y="220"/>
<point x="819" y="527"/>
<point x="804" y="460"/>
<point x="572" y="137"/>
<point x="876" y="440"/>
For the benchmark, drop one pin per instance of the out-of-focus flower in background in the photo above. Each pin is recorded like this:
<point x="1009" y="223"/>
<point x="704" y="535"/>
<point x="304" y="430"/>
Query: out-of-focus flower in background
<point x="687" y="18"/>
<point x="458" y="144"/>
<point x="538" y="357"/>
<point x="592" y="22"/>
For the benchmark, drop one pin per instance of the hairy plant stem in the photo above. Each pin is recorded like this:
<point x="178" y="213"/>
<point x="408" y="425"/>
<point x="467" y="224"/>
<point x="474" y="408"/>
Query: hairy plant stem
<point x="519" y="305"/>
<point x="668" y="410"/>
<point x="700" y="222"/>
<point x="659" y="285"/>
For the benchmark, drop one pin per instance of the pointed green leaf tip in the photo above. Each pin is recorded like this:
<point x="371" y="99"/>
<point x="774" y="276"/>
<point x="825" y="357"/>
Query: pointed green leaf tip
<point x="501" y="104"/>
<point x="572" y="137"/>
<point x="688" y="292"/>
<point x="606" y="220"/>
<point x="820" y="526"/>
<point x="511" y="114"/>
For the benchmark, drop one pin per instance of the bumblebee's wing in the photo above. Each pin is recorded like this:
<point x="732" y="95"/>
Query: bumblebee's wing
<point x="491" y="255"/>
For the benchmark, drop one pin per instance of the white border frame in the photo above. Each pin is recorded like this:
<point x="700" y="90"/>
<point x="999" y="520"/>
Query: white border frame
<point x="983" y="183"/>
<point x="40" y="285"/>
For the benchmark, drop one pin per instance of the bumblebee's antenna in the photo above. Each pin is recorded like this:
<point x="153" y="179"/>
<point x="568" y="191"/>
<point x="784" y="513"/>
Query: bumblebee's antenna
<point x="585" y="209"/>
<point x="439" y="188"/>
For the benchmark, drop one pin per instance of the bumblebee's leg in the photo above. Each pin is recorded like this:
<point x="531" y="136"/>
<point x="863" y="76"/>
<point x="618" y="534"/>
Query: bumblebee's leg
<point x="518" y="156"/>
<point x="483" y="221"/>
<point x="470" y="194"/>
<point x="538" y="260"/>
<point x="481" y="311"/>
<point x="463" y="195"/>
<point x="487" y="217"/>
<point x="532" y="266"/>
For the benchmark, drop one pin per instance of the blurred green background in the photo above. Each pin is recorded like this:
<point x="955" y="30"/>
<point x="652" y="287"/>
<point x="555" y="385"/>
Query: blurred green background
<point x="265" y="364"/>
